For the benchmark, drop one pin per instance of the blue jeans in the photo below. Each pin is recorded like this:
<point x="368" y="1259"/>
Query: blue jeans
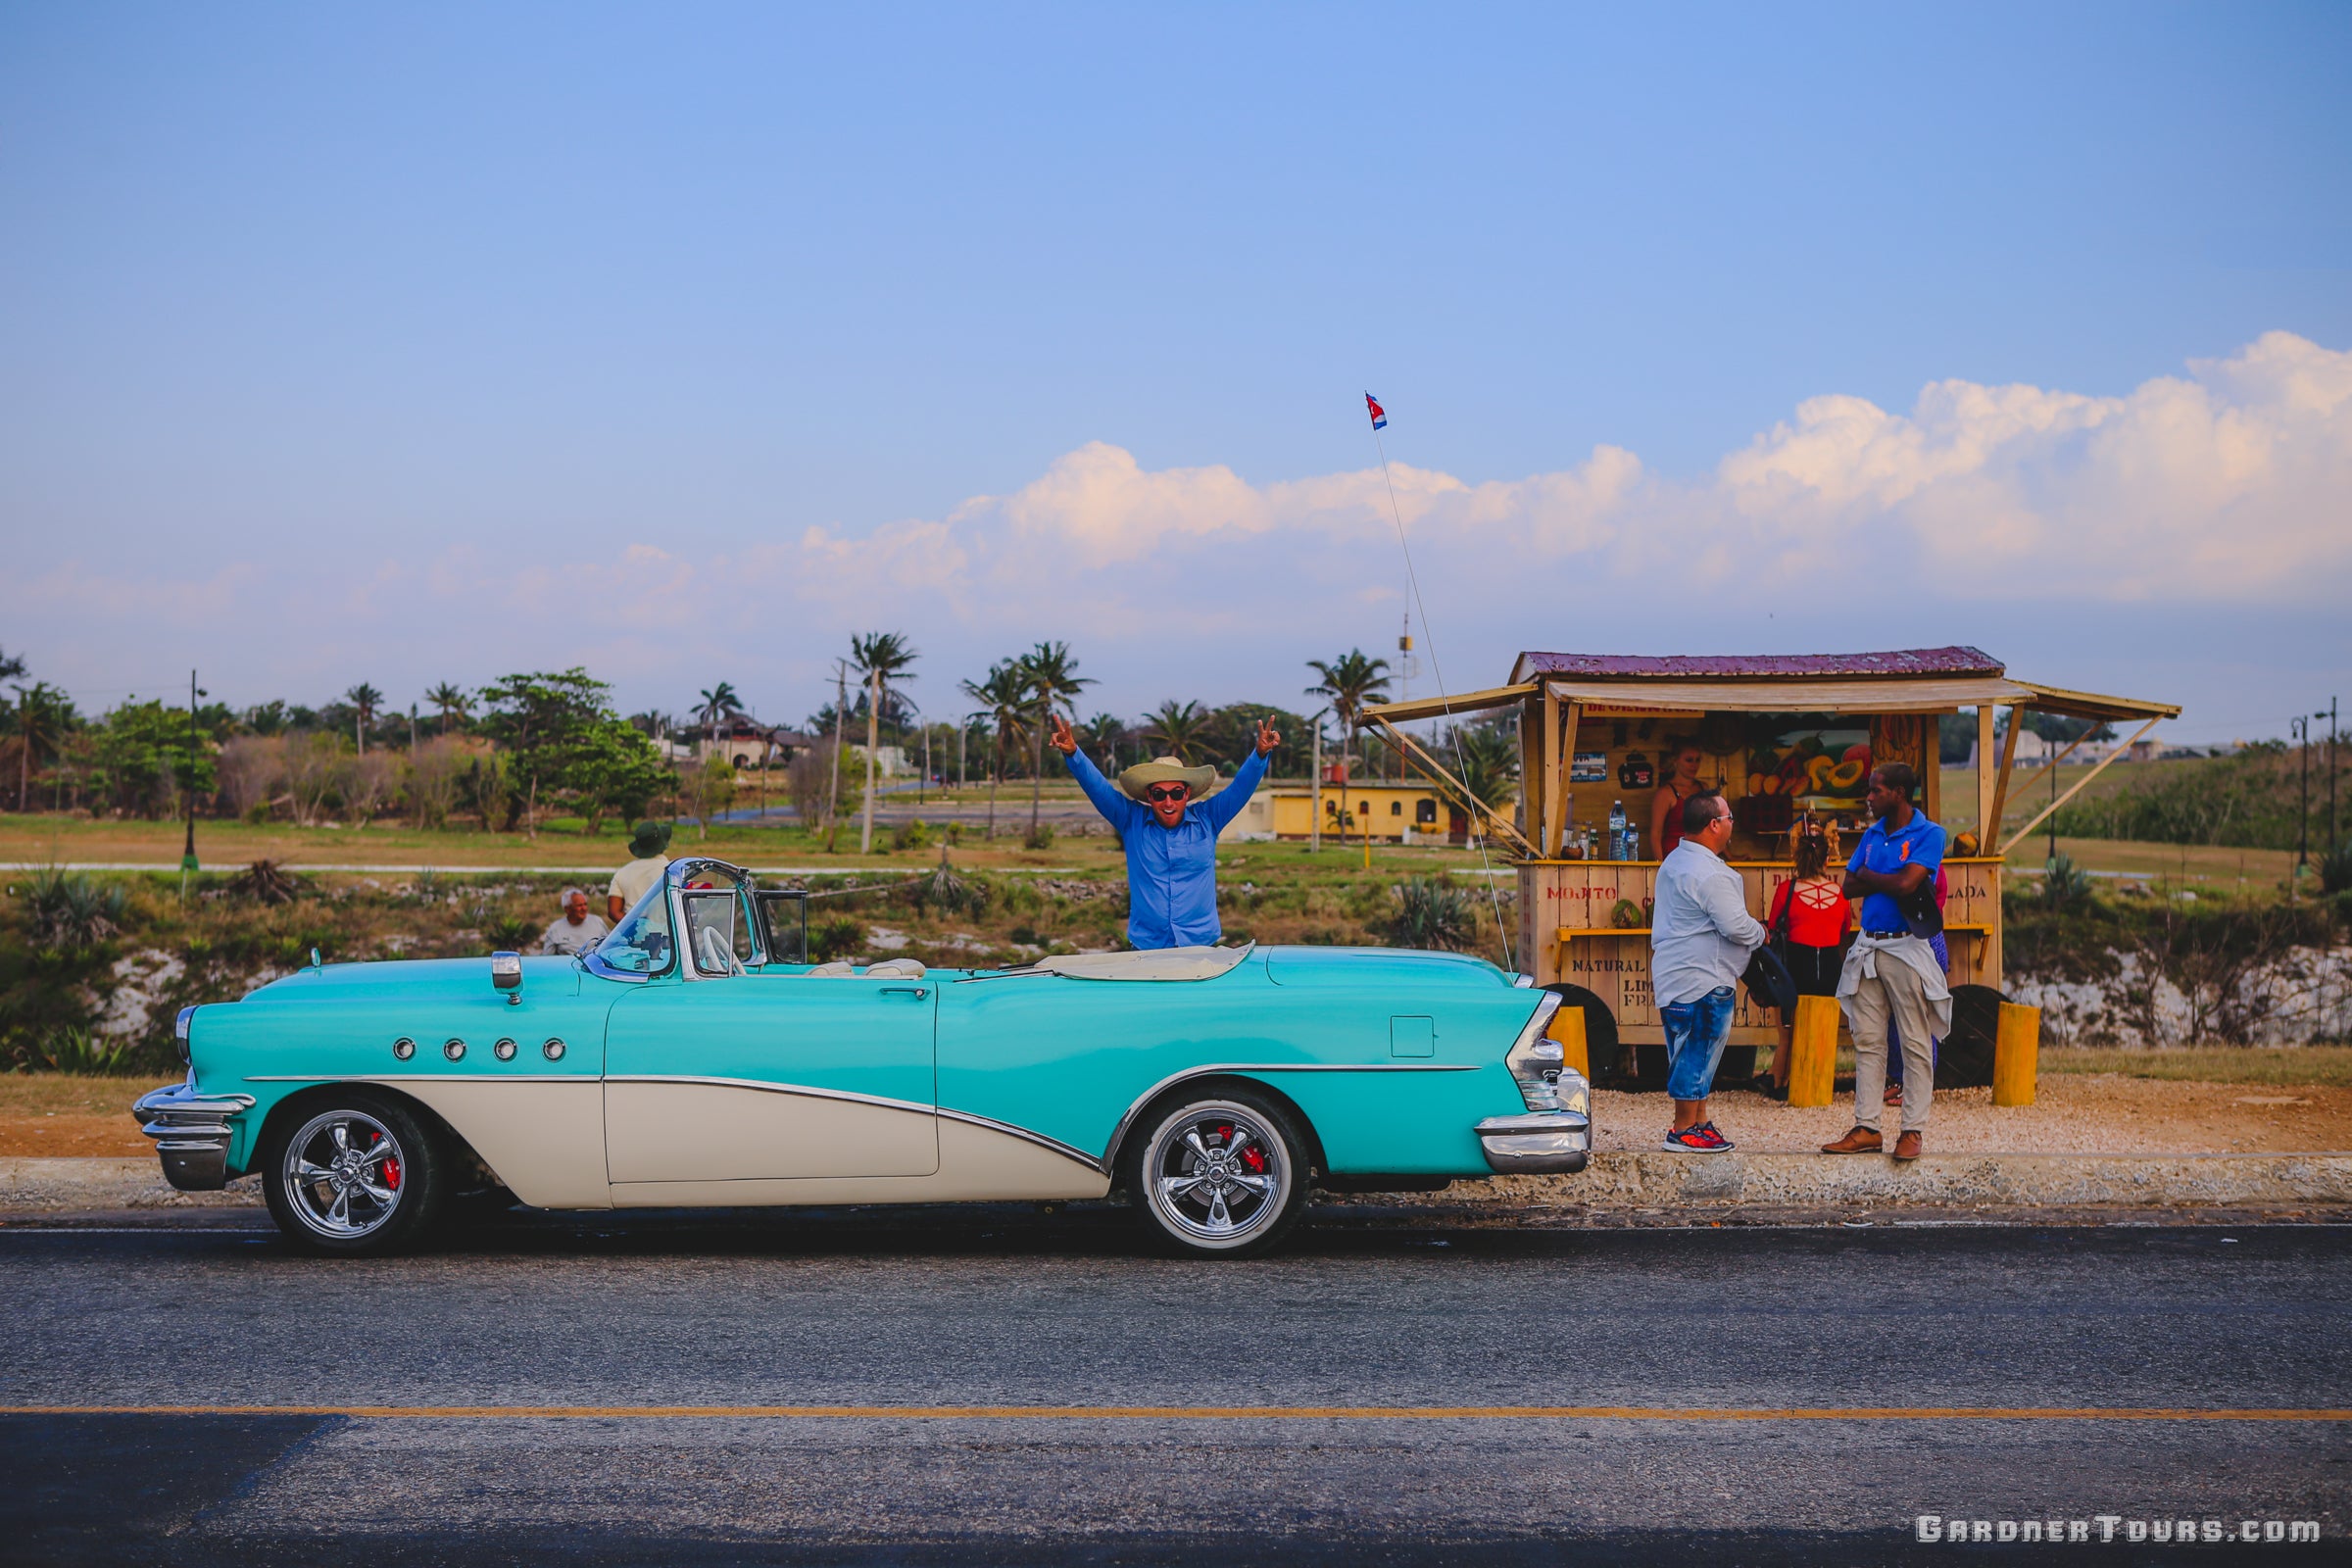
<point x="1695" y="1035"/>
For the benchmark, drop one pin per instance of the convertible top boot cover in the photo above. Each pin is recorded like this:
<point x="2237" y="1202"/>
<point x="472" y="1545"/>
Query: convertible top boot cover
<point x="1154" y="963"/>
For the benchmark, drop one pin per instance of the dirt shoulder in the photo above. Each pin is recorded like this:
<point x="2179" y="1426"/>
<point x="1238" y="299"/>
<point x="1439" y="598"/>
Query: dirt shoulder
<point x="2101" y="1113"/>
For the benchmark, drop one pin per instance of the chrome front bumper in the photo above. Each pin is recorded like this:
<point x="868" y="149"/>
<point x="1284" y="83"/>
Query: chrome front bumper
<point x="191" y="1134"/>
<point x="1539" y="1141"/>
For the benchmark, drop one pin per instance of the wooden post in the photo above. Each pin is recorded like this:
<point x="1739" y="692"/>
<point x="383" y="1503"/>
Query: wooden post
<point x="1813" y="1060"/>
<point x="1985" y="765"/>
<point x="1567" y="1026"/>
<point x="1531" y="774"/>
<point x="2016" y="1055"/>
<point x="1548" y="843"/>
<point x="1988" y="832"/>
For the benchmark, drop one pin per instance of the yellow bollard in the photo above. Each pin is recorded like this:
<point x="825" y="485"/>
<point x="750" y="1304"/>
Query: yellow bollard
<point x="2016" y="1055"/>
<point x="1813" y="1059"/>
<point x="1567" y="1026"/>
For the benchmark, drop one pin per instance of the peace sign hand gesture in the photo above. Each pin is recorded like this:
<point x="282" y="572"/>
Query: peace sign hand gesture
<point x="1061" y="740"/>
<point x="1269" y="737"/>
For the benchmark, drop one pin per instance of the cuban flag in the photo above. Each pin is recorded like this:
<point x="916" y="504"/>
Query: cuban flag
<point x="1380" y="417"/>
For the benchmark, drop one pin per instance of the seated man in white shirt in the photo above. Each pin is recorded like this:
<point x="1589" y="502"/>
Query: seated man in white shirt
<point x="1701" y="935"/>
<point x="576" y="931"/>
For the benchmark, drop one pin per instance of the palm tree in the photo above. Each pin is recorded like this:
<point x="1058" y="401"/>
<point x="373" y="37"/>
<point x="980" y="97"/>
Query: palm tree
<point x="720" y="701"/>
<point x="41" y="710"/>
<point x="1000" y="698"/>
<point x="1349" y="681"/>
<point x="1052" y="679"/>
<point x="1102" y="734"/>
<point x="364" y="699"/>
<point x="881" y="656"/>
<point x="452" y="702"/>
<point x="1180" y="731"/>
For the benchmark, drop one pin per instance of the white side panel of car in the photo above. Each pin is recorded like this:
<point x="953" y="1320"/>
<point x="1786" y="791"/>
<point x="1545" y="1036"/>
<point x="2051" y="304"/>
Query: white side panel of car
<point x="716" y="1132"/>
<point x="544" y="1140"/>
<point x="975" y="1164"/>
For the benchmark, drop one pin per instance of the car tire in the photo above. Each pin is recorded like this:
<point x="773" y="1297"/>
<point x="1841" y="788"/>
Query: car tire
<point x="353" y="1174"/>
<point x="1197" y="1201"/>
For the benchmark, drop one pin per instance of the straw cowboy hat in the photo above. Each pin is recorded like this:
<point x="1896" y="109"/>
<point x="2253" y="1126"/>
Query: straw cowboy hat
<point x="1166" y="771"/>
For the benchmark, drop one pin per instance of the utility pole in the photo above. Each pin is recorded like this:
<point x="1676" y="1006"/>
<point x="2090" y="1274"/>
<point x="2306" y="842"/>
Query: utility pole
<point x="873" y="743"/>
<point x="2334" y="842"/>
<point x="1314" y="800"/>
<point x="2300" y="728"/>
<point x="841" y="704"/>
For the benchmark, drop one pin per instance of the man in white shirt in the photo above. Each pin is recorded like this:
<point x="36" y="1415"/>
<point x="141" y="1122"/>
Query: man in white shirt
<point x="1701" y="935"/>
<point x="648" y="842"/>
<point x="576" y="931"/>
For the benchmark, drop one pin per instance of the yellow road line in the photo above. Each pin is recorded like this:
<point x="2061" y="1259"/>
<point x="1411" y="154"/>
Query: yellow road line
<point x="1192" y="1413"/>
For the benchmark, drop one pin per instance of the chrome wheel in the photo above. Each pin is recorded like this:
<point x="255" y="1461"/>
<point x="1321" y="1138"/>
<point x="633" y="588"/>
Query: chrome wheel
<point x="1218" y="1174"/>
<point x="344" y="1174"/>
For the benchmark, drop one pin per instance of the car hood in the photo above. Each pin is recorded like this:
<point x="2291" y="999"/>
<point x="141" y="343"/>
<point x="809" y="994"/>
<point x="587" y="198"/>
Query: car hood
<point x="416" y="979"/>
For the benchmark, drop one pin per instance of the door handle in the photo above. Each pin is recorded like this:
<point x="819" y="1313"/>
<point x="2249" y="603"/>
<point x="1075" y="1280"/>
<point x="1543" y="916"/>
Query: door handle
<point x="919" y="993"/>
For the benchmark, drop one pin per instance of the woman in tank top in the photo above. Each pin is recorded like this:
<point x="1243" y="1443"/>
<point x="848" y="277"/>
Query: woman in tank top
<point x="1812" y="909"/>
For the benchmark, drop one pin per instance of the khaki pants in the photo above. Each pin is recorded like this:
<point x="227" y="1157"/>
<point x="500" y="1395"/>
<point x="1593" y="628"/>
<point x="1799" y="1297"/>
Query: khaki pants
<point x="1899" y="992"/>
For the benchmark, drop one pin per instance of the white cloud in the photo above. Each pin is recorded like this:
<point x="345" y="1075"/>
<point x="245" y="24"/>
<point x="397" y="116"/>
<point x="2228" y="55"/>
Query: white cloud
<point x="2225" y="487"/>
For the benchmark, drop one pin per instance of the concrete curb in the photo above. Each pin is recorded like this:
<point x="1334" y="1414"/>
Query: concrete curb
<point x="1647" y="1180"/>
<point x="1614" y="1181"/>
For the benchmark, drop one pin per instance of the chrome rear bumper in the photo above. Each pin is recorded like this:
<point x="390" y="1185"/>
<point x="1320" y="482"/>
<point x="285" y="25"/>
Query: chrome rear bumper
<point x="192" y="1133"/>
<point x="1539" y="1141"/>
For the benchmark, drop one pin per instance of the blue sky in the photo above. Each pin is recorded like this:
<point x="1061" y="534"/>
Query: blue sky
<point x="424" y="343"/>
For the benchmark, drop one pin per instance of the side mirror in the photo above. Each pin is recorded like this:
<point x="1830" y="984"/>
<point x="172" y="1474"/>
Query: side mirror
<point x="506" y="973"/>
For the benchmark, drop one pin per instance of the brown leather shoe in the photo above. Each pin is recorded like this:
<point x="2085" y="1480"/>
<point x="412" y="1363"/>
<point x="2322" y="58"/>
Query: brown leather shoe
<point x="1861" y="1140"/>
<point x="1907" y="1147"/>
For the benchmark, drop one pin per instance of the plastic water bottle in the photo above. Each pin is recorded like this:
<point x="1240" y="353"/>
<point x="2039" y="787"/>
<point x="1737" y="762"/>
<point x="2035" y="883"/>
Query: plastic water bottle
<point x="1617" y="825"/>
<point x="1632" y="842"/>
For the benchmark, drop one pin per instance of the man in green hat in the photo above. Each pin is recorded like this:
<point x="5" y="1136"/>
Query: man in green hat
<point x="648" y="843"/>
<point x="1170" y="831"/>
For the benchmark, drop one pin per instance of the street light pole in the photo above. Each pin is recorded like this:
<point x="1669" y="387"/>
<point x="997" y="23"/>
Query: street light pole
<point x="2300" y="728"/>
<point x="187" y="855"/>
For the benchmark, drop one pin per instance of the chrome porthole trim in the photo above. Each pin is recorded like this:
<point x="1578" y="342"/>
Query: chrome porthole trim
<point x="1216" y="1175"/>
<point x="343" y="1173"/>
<point x="553" y="1050"/>
<point x="403" y="1048"/>
<point x="454" y="1050"/>
<point x="503" y="1050"/>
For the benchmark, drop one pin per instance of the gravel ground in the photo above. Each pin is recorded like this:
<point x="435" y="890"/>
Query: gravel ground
<point x="2091" y="1113"/>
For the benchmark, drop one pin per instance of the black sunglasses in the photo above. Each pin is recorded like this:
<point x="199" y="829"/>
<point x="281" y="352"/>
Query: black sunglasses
<point x="1166" y="792"/>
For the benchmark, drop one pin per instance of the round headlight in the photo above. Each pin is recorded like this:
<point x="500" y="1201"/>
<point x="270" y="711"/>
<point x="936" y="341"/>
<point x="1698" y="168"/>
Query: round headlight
<point x="404" y="1048"/>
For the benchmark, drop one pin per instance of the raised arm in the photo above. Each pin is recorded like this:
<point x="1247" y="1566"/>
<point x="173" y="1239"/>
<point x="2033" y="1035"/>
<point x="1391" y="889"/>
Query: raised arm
<point x="1117" y="808"/>
<point x="1226" y="805"/>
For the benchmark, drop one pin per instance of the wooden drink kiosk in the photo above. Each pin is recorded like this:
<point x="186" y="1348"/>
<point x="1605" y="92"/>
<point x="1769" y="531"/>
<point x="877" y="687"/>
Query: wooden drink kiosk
<point x="1779" y="736"/>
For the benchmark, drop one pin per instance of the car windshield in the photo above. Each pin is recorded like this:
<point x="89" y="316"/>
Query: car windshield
<point x="641" y="942"/>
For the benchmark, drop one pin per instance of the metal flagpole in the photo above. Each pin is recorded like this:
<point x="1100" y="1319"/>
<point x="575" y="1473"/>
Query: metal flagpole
<point x="1437" y="672"/>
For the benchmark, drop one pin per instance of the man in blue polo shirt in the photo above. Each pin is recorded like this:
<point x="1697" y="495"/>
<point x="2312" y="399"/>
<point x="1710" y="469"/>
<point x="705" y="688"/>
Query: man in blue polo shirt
<point x="1890" y="972"/>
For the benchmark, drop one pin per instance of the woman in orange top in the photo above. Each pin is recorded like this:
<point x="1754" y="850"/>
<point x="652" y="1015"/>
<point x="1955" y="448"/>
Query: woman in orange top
<point x="1812" y="912"/>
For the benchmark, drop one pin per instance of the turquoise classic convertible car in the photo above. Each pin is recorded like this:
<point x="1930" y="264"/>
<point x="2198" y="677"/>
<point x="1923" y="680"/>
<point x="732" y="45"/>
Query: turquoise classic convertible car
<point x="694" y="1059"/>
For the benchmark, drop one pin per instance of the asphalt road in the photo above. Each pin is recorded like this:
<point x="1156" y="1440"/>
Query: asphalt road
<point x="1433" y="1344"/>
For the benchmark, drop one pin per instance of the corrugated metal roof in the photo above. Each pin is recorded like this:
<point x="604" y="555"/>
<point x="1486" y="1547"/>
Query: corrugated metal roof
<point x="1902" y="662"/>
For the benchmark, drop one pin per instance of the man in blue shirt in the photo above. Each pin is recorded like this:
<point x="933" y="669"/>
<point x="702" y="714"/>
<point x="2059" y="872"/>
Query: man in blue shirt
<point x="1170" y="834"/>
<point x="1890" y="972"/>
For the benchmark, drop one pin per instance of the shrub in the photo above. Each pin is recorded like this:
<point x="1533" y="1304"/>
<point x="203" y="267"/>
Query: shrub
<point x="1429" y="913"/>
<point x="2335" y="870"/>
<point x="1039" y="837"/>
<point x="70" y="913"/>
<point x="511" y="933"/>
<point x="267" y="882"/>
<point x="77" y="1051"/>
<point x="836" y="938"/>
<point x="912" y="835"/>
<point x="2064" y="884"/>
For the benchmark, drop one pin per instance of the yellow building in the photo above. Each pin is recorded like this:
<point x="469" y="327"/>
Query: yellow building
<point x="1387" y="813"/>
